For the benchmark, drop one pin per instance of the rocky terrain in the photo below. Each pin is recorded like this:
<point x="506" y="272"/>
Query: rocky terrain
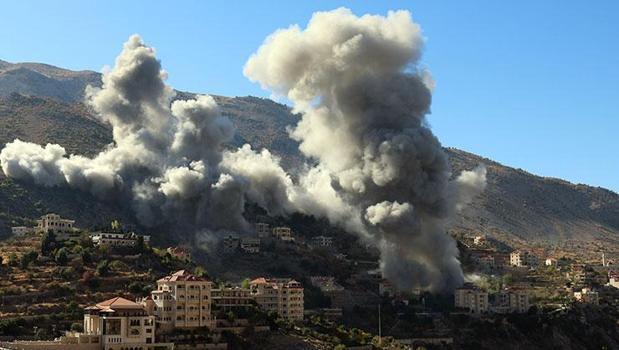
<point x="41" y="103"/>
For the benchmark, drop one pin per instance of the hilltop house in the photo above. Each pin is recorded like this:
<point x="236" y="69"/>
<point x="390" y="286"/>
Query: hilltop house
<point x="114" y="239"/>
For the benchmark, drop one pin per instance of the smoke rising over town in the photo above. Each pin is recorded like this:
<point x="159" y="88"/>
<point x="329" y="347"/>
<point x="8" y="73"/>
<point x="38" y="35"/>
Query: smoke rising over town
<point x="374" y="166"/>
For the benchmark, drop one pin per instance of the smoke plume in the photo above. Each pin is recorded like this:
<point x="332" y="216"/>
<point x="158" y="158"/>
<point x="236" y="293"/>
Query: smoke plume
<point x="363" y="99"/>
<point x="378" y="170"/>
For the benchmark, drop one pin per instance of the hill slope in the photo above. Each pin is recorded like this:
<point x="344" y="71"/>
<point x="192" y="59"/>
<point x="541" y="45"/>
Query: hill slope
<point x="516" y="206"/>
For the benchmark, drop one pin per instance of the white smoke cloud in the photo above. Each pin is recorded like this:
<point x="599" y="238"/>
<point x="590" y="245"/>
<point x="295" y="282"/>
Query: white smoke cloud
<point x="363" y="98"/>
<point x="379" y="171"/>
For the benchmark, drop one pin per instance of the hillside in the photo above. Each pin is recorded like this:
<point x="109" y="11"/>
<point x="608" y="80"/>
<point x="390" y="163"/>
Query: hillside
<point x="516" y="207"/>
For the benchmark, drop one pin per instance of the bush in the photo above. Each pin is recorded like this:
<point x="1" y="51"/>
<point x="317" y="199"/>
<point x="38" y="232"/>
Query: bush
<point x="77" y="327"/>
<point x="62" y="257"/>
<point x="28" y="258"/>
<point x="103" y="268"/>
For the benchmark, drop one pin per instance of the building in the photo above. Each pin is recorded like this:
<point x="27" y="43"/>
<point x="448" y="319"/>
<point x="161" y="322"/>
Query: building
<point x="613" y="279"/>
<point x="21" y="230"/>
<point x="588" y="296"/>
<point x="183" y="300"/>
<point x="122" y="324"/>
<point x="281" y="295"/>
<point x="322" y="242"/>
<point x="56" y="224"/>
<point x="263" y="230"/>
<point x="551" y="262"/>
<point x="179" y="253"/>
<point x="521" y="258"/>
<point x="471" y="298"/>
<point x="114" y="324"/>
<point x="581" y="274"/>
<point x="486" y="263"/>
<point x="479" y="240"/>
<point x="115" y="239"/>
<point x="231" y="243"/>
<point x="226" y="299"/>
<point x="511" y="300"/>
<point x="283" y="233"/>
<point x="250" y="245"/>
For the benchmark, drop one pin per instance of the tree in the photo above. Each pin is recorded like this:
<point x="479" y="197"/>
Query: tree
<point x="13" y="260"/>
<point x="28" y="258"/>
<point x="245" y="283"/>
<point x="103" y="268"/>
<point x="77" y="327"/>
<point x="115" y="225"/>
<point x="62" y="257"/>
<point x="48" y="243"/>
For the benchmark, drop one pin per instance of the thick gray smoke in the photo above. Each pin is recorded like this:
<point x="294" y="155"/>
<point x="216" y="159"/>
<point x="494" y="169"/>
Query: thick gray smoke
<point x="165" y="159"/>
<point x="382" y="173"/>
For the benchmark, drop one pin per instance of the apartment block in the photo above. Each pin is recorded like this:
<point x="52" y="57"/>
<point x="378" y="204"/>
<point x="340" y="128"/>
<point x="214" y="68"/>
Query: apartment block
<point x="227" y="299"/>
<point x="280" y="295"/>
<point x="512" y="300"/>
<point x="471" y="298"/>
<point x="283" y="233"/>
<point x="522" y="258"/>
<point x="115" y="239"/>
<point x="183" y="300"/>
<point x="250" y="245"/>
<point x="263" y="230"/>
<point x="322" y="242"/>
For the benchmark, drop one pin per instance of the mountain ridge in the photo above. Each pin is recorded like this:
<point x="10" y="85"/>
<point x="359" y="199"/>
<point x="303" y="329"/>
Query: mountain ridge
<point x="516" y="206"/>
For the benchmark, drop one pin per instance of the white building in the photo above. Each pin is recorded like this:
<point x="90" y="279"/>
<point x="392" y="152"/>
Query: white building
<point x="250" y="245"/>
<point x="551" y="262"/>
<point x="56" y="224"/>
<point x="322" y="242"/>
<point x="471" y="298"/>
<point x="588" y="296"/>
<point x="283" y="233"/>
<point x="21" y="230"/>
<point x="122" y="324"/>
<point x="512" y="300"/>
<point x="281" y="295"/>
<point x="263" y="230"/>
<point x="183" y="300"/>
<point x="521" y="258"/>
<point x="113" y="239"/>
<point x="479" y="240"/>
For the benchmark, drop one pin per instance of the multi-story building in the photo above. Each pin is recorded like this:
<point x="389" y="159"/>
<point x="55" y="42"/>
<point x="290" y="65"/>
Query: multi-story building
<point x="250" y="245"/>
<point x="479" y="240"/>
<point x="471" y="298"/>
<point x="56" y="224"/>
<point x="581" y="274"/>
<point x="613" y="279"/>
<point x="588" y="296"/>
<point x="283" y="233"/>
<point x="486" y="263"/>
<point x="122" y="324"/>
<point x="226" y="299"/>
<point x="263" y="230"/>
<point x="116" y="239"/>
<point x="183" y="300"/>
<point x="512" y="300"/>
<point x="322" y="242"/>
<point x="231" y="243"/>
<point x="281" y="295"/>
<point x="114" y="324"/>
<point x="521" y="258"/>
<point x="21" y="230"/>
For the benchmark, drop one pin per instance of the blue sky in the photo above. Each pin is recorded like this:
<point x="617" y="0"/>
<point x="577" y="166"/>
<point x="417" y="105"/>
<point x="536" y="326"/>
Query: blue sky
<point x="531" y="84"/>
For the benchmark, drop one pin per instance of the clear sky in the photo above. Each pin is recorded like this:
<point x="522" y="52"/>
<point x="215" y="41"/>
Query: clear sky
<point x="531" y="84"/>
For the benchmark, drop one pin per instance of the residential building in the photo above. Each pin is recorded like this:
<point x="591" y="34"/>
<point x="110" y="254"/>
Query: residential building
<point x="56" y="224"/>
<point x="250" y="245"/>
<point x="521" y="258"/>
<point x="581" y="274"/>
<point x="114" y="324"/>
<point x="281" y="295"/>
<point x="21" y="230"/>
<point x="122" y="324"/>
<point x="118" y="239"/>
<point x="551" y="262"/>
<point x="231" y="243"/>
<point x="471" y="298"/>
<point x="322" y="242"/>
<point x="512" y="300"/>
<point x="226" y="299"/>
<point x="263" y="230"/>
<point x="181" y="253"/>
<point x="486" y="263"/>
<point x="479" y="240"/>
<point x="588" y="296"/>
<point x="283" y="233"/>
<point x="613" y="279"/>
<point x="183" y="300"/>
